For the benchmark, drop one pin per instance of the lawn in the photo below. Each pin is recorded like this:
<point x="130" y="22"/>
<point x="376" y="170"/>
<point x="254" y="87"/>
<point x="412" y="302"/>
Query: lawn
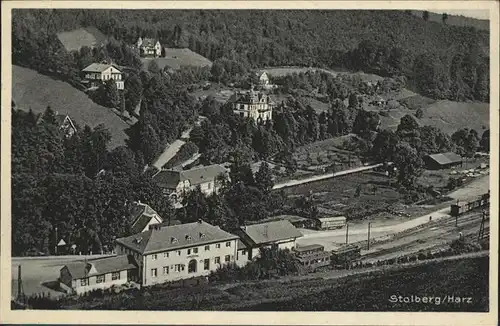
<point x="76" y="39"/>
<point x="31" y="90"/>
<point x="176" y="58"/>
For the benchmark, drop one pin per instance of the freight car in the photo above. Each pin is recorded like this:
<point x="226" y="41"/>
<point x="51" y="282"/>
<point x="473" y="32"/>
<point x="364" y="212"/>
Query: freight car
<point x="344" y="255"/>
<point x="462" y="207"/>
<point x="311" y="258"/>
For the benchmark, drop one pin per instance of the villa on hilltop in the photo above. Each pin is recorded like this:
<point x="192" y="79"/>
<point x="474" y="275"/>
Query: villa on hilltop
<point x="255" y="105"/>
<point x="98" y="73"/>
<point x="149" y="47"/>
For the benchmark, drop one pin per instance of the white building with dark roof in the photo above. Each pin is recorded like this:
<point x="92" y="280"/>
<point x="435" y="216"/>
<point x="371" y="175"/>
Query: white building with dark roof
<point x="148" y="47"/>
<point x="171" y="253"/>
<point x="255" y="105"/>
<point x="97" y="73"/>
<point x="142" y="216"/>
<point x="178" y="183"/>
<point x="102" y="273"/>
<point x="277" y="234"/>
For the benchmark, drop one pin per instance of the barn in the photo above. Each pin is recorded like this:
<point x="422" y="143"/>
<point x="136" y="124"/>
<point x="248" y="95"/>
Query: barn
<point x="442" y="160"/>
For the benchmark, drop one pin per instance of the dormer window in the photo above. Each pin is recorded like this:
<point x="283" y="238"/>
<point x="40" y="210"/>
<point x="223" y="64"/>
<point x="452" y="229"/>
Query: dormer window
<point x="188" y="237"/>
<point x="173" y="240"/>
<point x="202" y="235"/>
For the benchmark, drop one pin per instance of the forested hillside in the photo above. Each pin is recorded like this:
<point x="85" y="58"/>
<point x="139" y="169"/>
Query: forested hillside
<point x="441" y="61"/>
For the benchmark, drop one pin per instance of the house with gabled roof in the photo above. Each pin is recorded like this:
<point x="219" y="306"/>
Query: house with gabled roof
<point x="148" y="47"/>
<point x="442" y="160"/>
<point x="252" y="104"/>
<point x="102" y="273"/>
<point x="97" y="73"/>
<point x="279" y="234"/>
<point x="142" y="216"/>
<point x="177" y="183"/>
<point x="171" y="253"/>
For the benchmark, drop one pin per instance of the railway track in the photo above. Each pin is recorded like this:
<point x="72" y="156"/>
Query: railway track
<point x="443" y="229"/>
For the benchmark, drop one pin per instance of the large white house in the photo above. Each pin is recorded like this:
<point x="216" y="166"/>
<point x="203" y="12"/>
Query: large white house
<point x="171" y="253"/>
<point x="148" y="47"/>
<point x="97" y="73"/>
<point x="255" y="105"/>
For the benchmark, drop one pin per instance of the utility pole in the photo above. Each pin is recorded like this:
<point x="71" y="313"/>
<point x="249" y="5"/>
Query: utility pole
<point x="56" y="242"/>
<point x="347" y="233"/>
<point x="369" y="226"/>
<point x="20" y="292"/>
<point x="481" y="227"/>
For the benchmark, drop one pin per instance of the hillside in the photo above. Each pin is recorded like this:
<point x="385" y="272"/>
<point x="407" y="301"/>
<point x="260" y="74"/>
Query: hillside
<point x="455" y="20"/>
<point x="176" y="58"/>
<point x="78" y="38"/>
<point x="33" y="90"/>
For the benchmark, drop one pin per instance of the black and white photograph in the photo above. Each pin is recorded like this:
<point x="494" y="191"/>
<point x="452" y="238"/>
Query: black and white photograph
<point x="223" y="159"/>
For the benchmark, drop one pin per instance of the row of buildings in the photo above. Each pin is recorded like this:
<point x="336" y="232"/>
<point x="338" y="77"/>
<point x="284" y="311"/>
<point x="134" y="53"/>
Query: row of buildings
<point x="171" y="253"/>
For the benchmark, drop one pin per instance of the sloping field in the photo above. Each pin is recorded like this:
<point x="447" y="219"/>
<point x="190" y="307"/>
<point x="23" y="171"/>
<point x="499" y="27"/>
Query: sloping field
<point x="283" y="71"/>
<point x="450" y="116"/>
<point x="446" y="115"/>
<point x="33" y="90"/>
<point x="176" y="58"/>
<point x="75" y="39"/>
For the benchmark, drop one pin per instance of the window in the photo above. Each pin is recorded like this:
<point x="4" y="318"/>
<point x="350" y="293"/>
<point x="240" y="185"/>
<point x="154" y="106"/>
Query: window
<point x="165" y="270"/>
<point x="165" y="255"/>
<point x="207" y="248"/>
<point x="178" y="252"/>
<point x="209" y="185"/>
<point x="195" y="250"/>
<point x="154" y="257"/>
<point x="189" y="251"/>
<point x="217" y="246"/>
<point x="100" y="279"/>
<point x="244" y="252"/>
<point x="217" y="260"/>
<point x="178" y="267"/>
<point x="227" y="258"/>
<point x="84" y="281"/>
<point x="228" y="244"/>
<point x="206" y="264"/>
<point x="154" y="272"/>
<point x="115" y="276"/>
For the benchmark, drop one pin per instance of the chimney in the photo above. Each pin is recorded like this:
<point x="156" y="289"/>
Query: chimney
<point x="200" y="221"/>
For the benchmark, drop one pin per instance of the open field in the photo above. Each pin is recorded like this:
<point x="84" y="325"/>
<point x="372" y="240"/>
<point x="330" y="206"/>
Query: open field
<point x="456" y="20"/>
<point x="450" y="116"/>
<point x="31" y="90"/>
<point x="78" y="38"/>
<point x="176" y="58"/>
<point x="446" y="115"/>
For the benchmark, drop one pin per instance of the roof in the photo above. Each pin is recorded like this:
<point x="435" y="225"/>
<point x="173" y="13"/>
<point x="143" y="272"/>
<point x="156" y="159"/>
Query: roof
<point x="98" y="67"/>
<point x="250" y="97"/>
<point x="445" y="158"/>
<point x="101" y="265"/>
<point x="290" y="218"/>
<point x="175" y="237"/>
<point x="148" y="42"/>
<point x="140" y="215"/>
<point x="271" y="231"/>
<point x="331" y="218"/>
<point x="309" y="247"/>
<point x="171" y="178"/>
<point x="241" y="245"/>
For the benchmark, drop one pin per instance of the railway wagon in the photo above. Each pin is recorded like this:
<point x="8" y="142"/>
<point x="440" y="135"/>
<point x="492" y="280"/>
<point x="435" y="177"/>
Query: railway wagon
<point x="344" y="255"/>
<point x="310" y="258"/>
<point x="462" y="207"/>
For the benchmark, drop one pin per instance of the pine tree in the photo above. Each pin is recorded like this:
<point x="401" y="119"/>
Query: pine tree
<point x="264" y="178"/>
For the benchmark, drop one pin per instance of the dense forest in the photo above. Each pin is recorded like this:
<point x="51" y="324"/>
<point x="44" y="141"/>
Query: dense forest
<point x="441" y="61"/>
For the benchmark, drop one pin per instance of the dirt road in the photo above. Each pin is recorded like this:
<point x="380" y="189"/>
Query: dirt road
<point x="291" y="183"/>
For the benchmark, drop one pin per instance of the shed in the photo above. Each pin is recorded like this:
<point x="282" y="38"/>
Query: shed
<point x="442" y="160"/>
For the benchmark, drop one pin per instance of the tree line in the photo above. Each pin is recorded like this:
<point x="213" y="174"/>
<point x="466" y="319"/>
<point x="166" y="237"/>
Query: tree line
<point x="441" y="61"/>
<point x="73" y="184"/>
